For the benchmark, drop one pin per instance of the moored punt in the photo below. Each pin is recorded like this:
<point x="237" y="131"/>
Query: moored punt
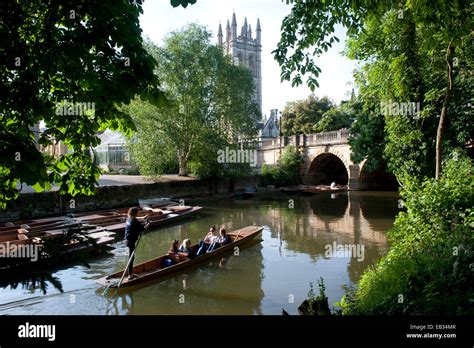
<point x="153" y="270"/>
<point x="94" y="242"/>
<point x="309" y="189"/>
<point x="45" y="223"/>
<point x="158" y="219"/>
<point x="158" y="214"/>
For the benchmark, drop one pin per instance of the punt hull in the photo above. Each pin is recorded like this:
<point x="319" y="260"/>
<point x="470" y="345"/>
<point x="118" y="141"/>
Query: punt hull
<point x="146" y="273"/>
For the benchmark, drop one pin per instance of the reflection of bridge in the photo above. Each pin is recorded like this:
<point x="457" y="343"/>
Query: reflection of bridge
<point x="349" y="218"/>
<point x="326" y="157"/>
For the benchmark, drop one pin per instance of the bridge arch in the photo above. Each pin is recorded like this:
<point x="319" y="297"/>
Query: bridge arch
<point x="378" y="179"/>
<point x="326" y="168"/>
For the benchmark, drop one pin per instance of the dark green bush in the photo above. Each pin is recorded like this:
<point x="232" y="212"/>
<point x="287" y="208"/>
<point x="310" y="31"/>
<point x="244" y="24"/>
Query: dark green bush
<point x="287" y="172"/>
<point x="429" y="268"/>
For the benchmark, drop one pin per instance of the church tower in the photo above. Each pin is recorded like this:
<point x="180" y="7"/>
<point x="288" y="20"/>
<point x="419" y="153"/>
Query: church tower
<point x="244" y="50"/>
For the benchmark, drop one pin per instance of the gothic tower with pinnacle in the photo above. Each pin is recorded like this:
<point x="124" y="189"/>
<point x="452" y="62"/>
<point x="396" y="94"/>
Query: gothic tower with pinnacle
<point x="244" y="50"/>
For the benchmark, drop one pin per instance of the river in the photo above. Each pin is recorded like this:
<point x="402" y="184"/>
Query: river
<point x="299" y="234"/>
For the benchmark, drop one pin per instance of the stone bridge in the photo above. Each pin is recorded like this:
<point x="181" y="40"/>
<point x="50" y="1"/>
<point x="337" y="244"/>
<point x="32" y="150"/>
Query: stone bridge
<point x="326" y="158"/>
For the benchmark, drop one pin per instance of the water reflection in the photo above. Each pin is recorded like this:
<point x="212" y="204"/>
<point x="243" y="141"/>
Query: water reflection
<point x="226" y="285"/>
<point x="298" y="231"/>
<point x="29" y="281"/>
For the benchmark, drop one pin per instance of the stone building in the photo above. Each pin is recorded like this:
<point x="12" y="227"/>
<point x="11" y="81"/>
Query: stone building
<point x="244" y="50"/>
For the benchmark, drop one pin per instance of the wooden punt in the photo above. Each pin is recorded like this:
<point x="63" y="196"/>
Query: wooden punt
<point x="158" y="214"/>
<point x="45" y="223"/>
<point x="152" y="270"/>
<point x="159" y="219"/>
<point x="312" y="190"/>
<point x="96" y="243"/>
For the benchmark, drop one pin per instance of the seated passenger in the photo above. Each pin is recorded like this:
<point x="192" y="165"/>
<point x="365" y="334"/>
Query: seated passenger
<point x="174" y="251"/>
<point x="222" y="240"/>
<point x="186" y="250"/>
<point x="186" y="246"/>
<point x="208" y="240"/>
<point x="211" y="237"/>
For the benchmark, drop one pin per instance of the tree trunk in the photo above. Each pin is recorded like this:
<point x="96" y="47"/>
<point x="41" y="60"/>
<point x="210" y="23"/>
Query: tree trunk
<point x="183" y="171"/>
<point x="444" y="110"/>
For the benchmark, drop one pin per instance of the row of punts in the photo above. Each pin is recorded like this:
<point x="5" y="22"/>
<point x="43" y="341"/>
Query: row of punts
<point x="84" y="232"/>
<point x="96" y="231"/>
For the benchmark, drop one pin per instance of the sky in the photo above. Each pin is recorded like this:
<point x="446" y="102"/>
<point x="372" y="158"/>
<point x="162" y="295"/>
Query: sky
<point x="159" y="18"/>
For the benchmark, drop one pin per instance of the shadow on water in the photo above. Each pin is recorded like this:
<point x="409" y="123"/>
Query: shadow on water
<point x="42" y="277"/>
<point x="14" y="279"/>
<point x="329" y="207"/>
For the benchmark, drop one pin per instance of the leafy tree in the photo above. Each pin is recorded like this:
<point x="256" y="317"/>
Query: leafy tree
<point x="209" y="106"/>
<point x="149" y="146"/>
<point x="184" y="3"/>
<point x="417" y="52"/>
<point x="300" y="117"/>
<point x="338" y="117"/>
<point x="393" y="73"/>
<point x="309" y="29"/>
<point x="287" y="171"/>
<point x="399" y="70"/>
<point x="66" y="52"/>
<point x="432" y="250"/>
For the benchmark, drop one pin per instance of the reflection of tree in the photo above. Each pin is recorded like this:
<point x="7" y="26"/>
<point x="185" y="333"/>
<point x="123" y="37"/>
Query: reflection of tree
<point x="329" y="208"/>
<point x="31" y="275"/>
<point x="372" y="253"/>
<point x="375" y="207"/>
<point x="13" y="278"/>
<point x="319" y="221"/>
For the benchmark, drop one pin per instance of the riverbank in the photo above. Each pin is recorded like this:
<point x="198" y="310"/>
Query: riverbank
<point x="46" y="204"/>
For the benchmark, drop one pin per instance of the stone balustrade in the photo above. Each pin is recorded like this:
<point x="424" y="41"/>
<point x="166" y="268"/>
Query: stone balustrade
<point x="335" y="137"/>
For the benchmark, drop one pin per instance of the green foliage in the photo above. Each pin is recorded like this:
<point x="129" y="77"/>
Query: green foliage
<point x="209" y="107"/>
<point x="56" y="52"/>
<point x="287" y="172"/>
<point x="399" y="69"/>
<point x="309" y="29"/>
<point x="184" y="3"/>
<point x="338" y="117"/>
<point x="300" y="117"/>
<point x="428" y="269"/>
<point x="403" y="48"/>
<point x="149" y="146"/>
<point x="318" y="305"/>
<point x="367" y="140"/>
